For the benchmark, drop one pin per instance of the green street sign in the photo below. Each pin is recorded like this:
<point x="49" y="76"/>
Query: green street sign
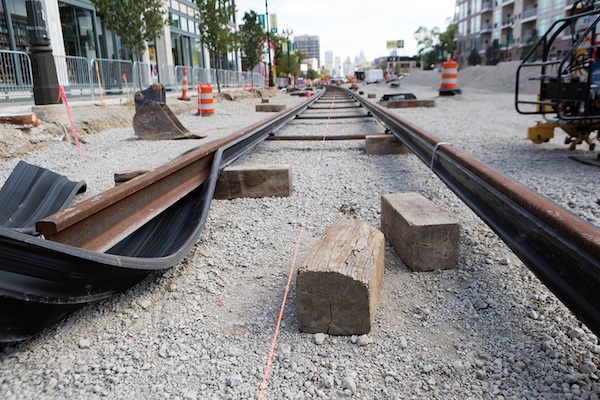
<point x="273" y="30"/>
<point x="261" y="20"/>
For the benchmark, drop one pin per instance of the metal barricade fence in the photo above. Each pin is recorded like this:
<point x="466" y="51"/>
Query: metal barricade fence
<point x="74" y="75"/>
<point x="179" y="75"/>
<point x="116" y="76"/>
<point x="144" y="75"/>
<point x="16" y="78"/>
<point x="258" y="79"/>
<point x="80" y="77"/>
<point x="168" y="77"/>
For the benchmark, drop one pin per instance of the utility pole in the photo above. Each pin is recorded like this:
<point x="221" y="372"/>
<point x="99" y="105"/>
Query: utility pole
<point x="271" y="82"/>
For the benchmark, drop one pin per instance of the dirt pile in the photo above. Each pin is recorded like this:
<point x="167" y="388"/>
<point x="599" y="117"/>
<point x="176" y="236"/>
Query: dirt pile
<point x="495" y="78"/>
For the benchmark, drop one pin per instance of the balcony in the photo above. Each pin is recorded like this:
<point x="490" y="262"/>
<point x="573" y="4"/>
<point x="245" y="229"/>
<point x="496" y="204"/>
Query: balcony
<point x="486" y="28"/>
<point x="487" y="7"/>
<point x="507" y="2"/>
<point x="507" y="23"/>
<point x="529" y="15"/>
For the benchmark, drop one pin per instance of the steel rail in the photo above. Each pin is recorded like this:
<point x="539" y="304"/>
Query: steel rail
<point x="102" y="221"/>
<point x="562" y="250"/>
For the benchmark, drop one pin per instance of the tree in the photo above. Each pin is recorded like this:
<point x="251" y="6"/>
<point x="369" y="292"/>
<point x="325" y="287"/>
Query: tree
<point x="426" y="39"/>
<point x="492" y="53"/>
<point x="252" y="37"/>
<point x="218" y="36"/>
<point x="286" y="65"/>
<point x="474" y="58"/>
<point x="137" y="22"/>
<point x="434" y="45"/>
<point x="446" y="43"/>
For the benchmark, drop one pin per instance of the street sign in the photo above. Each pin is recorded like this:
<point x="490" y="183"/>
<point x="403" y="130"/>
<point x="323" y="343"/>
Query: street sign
<point x="394" y="44"/>
<point x="261" y="20"/>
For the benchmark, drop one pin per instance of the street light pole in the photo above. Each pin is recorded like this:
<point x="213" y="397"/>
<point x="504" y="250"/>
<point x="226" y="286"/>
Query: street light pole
<point x="289" y="32"/>
<point x="271" y="82"/>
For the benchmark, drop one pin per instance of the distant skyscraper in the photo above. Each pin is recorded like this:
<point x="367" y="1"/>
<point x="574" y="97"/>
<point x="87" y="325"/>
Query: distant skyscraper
<point x="309" y="45"/>
<point x="329" y="61"/>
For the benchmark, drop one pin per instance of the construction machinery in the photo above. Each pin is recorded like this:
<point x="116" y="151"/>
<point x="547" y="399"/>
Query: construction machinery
<point x="154" y="120"/>
<point x="566" y="61"/>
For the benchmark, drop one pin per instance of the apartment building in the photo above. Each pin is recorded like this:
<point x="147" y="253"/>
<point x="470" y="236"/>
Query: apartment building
<point x="513" y="24"/>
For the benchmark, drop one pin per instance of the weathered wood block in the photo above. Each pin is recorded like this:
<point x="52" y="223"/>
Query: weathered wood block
<point x="339" y="282"/>
<point x="410" y="103"/>
<point x="254" y="181"/>
<point x="19" y="119"/>
<point x="425" y="237"/>
<point x="270" y="107"/>
<point x="381" y="145"/>
<point x="265" y="101"/>
<point x="371" y="96"/>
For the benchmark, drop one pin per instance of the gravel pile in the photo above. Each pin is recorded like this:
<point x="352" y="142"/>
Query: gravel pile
<point x="202" y="330"/>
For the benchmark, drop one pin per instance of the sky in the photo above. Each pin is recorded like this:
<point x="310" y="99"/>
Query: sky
<point x="348" y="26"/>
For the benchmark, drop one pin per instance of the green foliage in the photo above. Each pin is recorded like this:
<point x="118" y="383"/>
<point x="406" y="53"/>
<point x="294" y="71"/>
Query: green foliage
<point x="433" y="46"/>
<point x="492" y="53"/>
<point x="218" y="35"/>
<point x="283" y="66"/>
<point x="426" y="39"/>
<point x="137" y="22"/>
<point x="529" y="45"/>
<point x="474" y="58"/>
<point x="312" y="74"/>
<point x="252" y="37"/>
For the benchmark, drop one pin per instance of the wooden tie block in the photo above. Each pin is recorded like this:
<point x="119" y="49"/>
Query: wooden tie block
<point x="254" y="181"/>
<point x="381" y="145"/>
<point x="371" y="96"/>
<point x="270" y="107"/>
<point x="339" y="282"/>
<point x="410" y="103"/>
<point x="425" y="237"/>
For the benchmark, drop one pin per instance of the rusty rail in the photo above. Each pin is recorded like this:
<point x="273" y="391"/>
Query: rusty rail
<point x="105" y="219"/>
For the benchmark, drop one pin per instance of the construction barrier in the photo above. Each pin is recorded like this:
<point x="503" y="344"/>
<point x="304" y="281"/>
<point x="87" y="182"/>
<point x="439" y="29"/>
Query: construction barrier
<point x="184" y="86"/>
<point x="205" y="100"/>
<point x="449" y="79"/>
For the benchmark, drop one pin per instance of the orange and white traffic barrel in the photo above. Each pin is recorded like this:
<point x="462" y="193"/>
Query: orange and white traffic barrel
<point x="449" y="78"/>
<point x="184" y="86"/>
<point x="205" y="100"/>
<point x="354" y="85"/>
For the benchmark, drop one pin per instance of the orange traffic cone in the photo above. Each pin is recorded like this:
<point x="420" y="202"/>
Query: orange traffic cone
<point x="184" y="86"/>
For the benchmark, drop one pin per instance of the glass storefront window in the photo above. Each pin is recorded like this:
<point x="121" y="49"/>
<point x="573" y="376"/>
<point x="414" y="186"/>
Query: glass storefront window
<point x="78" y="31"/>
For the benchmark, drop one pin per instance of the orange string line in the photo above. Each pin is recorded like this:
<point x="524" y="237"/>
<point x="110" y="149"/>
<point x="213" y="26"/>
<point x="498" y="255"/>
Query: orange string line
<point x="263" y="385"/>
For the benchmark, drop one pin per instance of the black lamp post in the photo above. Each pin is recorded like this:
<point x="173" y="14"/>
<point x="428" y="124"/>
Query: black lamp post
<point x="271" y="82"/>
<point x="45" y="80"/>
<point x="289" y="32"/>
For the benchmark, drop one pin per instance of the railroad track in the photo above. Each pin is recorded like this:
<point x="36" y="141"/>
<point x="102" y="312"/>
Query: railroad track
<point x="115" y="229"/>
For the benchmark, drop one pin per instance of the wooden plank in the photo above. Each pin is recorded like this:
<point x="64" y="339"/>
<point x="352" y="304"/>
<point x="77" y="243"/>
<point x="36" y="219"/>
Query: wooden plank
<point x="410" y="103"/>
<point x="425" y="237"/>
<point x="381" y="145"/>
<point x="270" y="107"/>
<point x="254" y="181"/>
<point x="339" y="282"/>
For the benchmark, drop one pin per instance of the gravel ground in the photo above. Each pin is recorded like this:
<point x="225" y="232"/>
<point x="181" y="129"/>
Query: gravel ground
<point x="202" y="330"/>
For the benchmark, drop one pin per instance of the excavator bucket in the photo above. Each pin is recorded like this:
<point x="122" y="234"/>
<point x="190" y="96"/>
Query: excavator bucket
<point x="153" y="120"/>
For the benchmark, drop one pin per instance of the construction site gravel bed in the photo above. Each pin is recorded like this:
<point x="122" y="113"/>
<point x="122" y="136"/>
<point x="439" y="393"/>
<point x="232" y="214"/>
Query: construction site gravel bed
<point x="487" y="329"/>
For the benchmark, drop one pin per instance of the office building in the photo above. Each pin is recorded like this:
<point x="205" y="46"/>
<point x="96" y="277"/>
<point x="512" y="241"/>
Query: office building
<point x="309" y="45"/>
